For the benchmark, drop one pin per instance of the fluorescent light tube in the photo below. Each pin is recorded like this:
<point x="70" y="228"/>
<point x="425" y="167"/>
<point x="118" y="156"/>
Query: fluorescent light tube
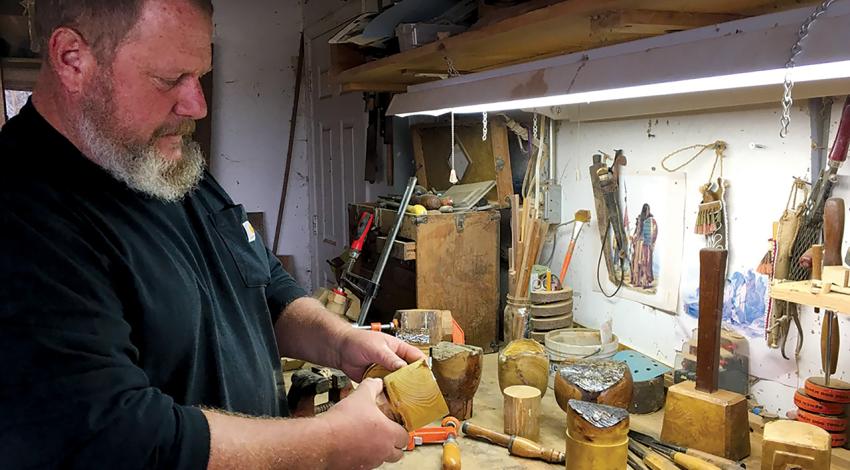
<point x="800" y="74"/>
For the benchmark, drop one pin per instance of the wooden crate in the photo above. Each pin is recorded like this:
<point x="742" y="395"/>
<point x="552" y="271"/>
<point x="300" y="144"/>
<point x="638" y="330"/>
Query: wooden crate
<point x="456" y="268"/>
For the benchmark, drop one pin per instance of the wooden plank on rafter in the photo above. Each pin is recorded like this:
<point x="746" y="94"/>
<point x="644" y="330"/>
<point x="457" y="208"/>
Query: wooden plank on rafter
<point x="649" y="22"/>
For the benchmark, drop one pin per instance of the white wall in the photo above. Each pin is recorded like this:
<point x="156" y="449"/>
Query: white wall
<point x="760" y="182"/>
<point x="256" y="52"/>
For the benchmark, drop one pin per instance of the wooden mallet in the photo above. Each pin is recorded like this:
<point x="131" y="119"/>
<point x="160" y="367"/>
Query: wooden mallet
<point x="698" y="415"/>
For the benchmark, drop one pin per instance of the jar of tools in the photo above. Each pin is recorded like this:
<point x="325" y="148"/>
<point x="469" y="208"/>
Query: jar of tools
<point x="516" y="318"/>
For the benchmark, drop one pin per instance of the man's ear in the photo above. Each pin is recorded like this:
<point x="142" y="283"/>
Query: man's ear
<point x="71" y="58"/>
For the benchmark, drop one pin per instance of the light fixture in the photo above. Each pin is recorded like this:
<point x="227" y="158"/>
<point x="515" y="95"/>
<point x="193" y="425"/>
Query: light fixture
<point x="736" y="63"/>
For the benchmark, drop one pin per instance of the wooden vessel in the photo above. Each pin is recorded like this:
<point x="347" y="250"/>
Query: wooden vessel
<point x="457" y="369"/>
<point x="603" y="382"/>
<point x="597" y="436"/>
<point x="413" y="397"/>
<point x="524" y="362"/>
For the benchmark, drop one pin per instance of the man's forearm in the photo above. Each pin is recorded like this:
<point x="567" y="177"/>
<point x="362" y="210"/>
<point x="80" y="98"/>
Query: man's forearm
<point x="241" y="442"/>
<point x="307" y="330"/>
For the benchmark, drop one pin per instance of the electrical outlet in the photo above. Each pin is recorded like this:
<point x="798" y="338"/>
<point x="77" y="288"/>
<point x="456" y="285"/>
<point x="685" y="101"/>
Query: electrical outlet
<point x="552" y="203"/>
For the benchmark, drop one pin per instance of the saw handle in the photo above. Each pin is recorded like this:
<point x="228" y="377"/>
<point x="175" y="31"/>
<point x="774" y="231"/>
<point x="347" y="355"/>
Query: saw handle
<point x="842" y="137"/>
<point x="829" y="350"/>
<point x="833" y="231"/>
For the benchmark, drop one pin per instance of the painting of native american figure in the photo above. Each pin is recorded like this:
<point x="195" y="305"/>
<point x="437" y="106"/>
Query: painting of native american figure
<point x="652" y="209"/>
<point x="643" y="271"/>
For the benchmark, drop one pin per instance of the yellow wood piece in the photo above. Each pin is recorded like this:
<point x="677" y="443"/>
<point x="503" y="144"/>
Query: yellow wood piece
<point x="788" y="443"/>
<point x="835" y="275"/>
<point x="415" y="396"/>
<point x="800" y="292"/>
<point x="716" y="423"/>
<point x="590" y="456"/>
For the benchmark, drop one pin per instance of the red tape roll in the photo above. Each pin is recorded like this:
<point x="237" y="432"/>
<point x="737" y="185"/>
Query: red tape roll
<point x="828" y="423"/>
<point x="807" y="403"/>
<point x="836" y="392"/>
<point x="839" y="439"/>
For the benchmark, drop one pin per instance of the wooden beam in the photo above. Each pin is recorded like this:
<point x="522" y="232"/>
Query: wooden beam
<point x="650" y="22"/>
<point x="376" y="87"/>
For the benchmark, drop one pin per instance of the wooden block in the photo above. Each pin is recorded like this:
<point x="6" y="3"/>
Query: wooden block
<point x="604" y="382"/>
<point x="597" y="436"/>
<point x="522" y="411"/>
<point x="716" y="423"/>
<point x="551" y="323"/>
<point x="457" y="369"/>
<point x="836" y="275"/>
<point x="564" y="307"/>
<point x="415" y="396"/>
<point x="790" y="443"/>
<point x="402" y="250"/>
<point x="548" y="297"/>
<point x="524" y="362"/>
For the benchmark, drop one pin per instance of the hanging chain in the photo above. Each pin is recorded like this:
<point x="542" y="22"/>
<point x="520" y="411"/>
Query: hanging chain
<point x="534" y="132"/>
<point x="29" y="12"/>
<point x="484" y="126"/>
<point x="787" y="101"/>
<point x="450" y="67"/>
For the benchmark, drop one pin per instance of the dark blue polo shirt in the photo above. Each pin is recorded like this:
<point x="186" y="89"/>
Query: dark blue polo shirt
<point x="121" y="314"/>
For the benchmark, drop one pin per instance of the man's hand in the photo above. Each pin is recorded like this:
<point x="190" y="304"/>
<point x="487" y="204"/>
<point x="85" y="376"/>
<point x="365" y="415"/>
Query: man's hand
<point x="360" y="349"/>
<point x="364" y="437"/>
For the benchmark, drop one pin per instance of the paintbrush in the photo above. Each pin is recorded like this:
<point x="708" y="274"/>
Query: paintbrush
<point x="582" y="217"/>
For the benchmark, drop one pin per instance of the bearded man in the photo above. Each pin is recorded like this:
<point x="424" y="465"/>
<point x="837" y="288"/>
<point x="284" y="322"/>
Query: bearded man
<point x="141" y="319"/>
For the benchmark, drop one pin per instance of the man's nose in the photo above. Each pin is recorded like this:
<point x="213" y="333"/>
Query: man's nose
<point x="191" y="102"/>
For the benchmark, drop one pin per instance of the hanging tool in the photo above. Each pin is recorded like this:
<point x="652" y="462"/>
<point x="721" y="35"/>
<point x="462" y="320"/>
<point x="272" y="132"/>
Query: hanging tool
<point x="516" y="445"/>
<point x="369" y="287"/>
<point x="812" y="221"/>
<point x="582" y="217"/>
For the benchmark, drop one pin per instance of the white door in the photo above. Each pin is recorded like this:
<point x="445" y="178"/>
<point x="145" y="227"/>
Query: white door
<point x="337" y="143"/>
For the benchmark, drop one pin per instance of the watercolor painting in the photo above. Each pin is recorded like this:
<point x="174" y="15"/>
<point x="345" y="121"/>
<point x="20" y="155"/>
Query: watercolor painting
<point x="744" y="305"/>
<point x="653" y="211"/>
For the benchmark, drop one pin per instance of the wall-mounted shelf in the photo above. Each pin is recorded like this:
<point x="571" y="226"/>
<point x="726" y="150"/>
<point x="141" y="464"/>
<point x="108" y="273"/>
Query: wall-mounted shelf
<point x="551" y="29"/>
<point x="803" y="293"/>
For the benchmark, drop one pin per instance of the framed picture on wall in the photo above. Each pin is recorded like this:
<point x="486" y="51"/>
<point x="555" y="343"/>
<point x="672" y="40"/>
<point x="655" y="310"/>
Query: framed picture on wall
<point x="653" y="205"/>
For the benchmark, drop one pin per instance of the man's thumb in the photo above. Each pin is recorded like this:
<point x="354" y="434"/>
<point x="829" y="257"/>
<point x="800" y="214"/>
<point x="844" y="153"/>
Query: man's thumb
<point x="372" y="387"/>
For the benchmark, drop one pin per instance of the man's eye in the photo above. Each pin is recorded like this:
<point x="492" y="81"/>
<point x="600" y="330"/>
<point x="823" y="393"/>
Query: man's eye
<point x="169" y="82"/>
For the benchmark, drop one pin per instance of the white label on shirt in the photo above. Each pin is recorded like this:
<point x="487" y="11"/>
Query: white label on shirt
<point x="249" y="231"/>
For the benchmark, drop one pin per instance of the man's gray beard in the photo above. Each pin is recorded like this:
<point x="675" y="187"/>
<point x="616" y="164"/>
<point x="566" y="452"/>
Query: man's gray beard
<point x="142" y="167"/>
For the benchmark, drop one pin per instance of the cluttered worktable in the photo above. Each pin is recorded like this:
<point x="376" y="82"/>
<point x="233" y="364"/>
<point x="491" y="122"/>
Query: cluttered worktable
<point x="487" y="412"/>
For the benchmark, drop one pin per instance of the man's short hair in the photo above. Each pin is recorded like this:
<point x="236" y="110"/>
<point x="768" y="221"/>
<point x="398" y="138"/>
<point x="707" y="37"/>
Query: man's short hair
<point x="103" y="23"/>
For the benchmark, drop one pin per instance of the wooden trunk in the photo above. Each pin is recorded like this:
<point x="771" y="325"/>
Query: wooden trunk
<point x="456" y="268"/>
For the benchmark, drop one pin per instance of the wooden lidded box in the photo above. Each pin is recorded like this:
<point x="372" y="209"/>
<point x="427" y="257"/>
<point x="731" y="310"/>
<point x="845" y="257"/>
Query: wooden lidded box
<point x="439" y="261"/>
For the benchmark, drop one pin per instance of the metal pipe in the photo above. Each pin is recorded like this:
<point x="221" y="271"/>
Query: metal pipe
<point x="385" y="254"/>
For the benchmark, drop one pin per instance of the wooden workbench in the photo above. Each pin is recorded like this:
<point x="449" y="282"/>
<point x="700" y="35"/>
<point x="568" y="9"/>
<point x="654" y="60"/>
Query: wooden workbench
<point x="488" y="413"/>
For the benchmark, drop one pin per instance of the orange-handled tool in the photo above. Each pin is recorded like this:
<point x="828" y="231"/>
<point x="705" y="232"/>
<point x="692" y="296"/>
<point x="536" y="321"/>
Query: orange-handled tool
<point x="434" y="435"/>
<point x="582" y="217"/>
<point x="451" y="454"/>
